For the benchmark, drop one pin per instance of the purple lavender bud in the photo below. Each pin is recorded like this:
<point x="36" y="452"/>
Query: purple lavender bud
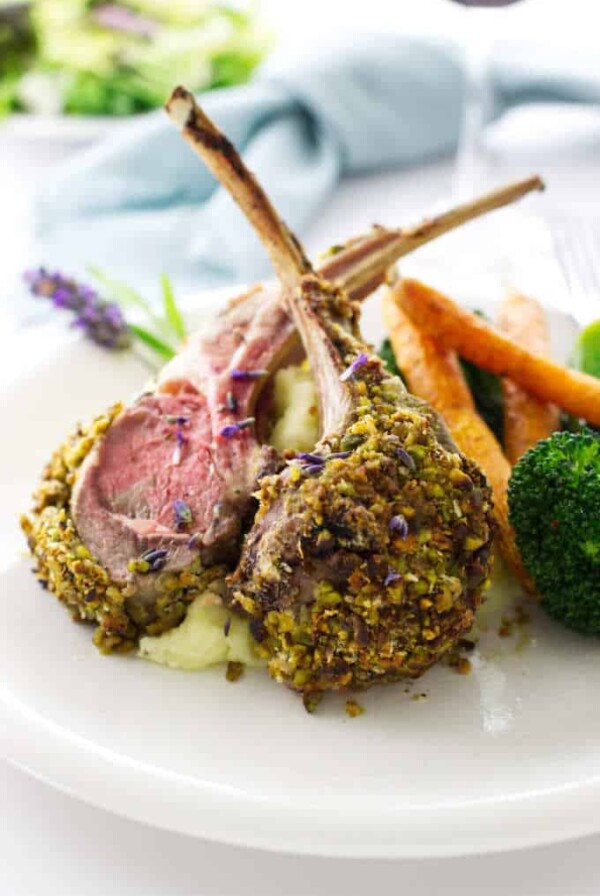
<point x="241" y="375"/>
<point x="87" y="293"/>
<point x="183" y="514"/>
<point x="61" y="298"/>
<point x="193" y="540"/>
<point x="233" y="429"/>
<point x="177" y="419"/>
<point x="311" y="458"/>
<point x="101" y="321"/>
<point x="392" y="576"/>
<point x="398" y="525"/>
<point x="358" y="362"/>
<point x="180" y="441"/>
<point x="406" y="458"/>
<point x="339" y="455"/>
<point x="313" y="468"/>
<point x="156" y="558"/>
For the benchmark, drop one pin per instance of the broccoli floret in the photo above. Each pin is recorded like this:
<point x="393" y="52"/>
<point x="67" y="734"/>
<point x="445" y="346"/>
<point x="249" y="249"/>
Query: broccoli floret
<point x="554" y="504"/>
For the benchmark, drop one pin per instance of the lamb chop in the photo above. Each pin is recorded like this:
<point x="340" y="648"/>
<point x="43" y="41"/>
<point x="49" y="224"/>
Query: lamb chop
<point x="367" y="557"/>
<point x="137" y="513"/>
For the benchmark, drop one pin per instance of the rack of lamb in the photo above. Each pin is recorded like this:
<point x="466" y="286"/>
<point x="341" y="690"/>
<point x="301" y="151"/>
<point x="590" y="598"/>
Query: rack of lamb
<point x="137" y="513"/>
<point x="367" y="557"/>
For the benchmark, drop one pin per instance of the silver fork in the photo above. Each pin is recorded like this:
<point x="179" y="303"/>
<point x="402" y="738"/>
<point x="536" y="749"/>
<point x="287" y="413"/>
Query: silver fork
<point x="576" y="241"/>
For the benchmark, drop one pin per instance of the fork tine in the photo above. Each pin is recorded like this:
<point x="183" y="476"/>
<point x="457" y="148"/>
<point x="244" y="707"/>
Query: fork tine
<point x="592" y="248"/>
<point x="578" y="253"/>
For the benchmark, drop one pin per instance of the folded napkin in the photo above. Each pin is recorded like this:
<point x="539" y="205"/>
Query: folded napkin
<point x="141" y="202"/>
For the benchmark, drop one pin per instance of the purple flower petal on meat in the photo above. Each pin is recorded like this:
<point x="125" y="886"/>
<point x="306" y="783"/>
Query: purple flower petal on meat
<point x="233" y="429"/>
<point x="406" y="458"/>
<point x="392" y="576"/>
<point x="182" y="513"/>
<point x="241" y="375"/>
<point x="398" y="525"/>
<point x="358" y="362"/>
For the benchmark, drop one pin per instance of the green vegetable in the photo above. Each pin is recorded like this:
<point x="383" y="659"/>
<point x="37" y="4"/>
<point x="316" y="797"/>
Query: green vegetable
<point x="586" y="355"/>
<point x="110" y="57"/>
<point x="486" y="390"/>
<point x="386" y="353"/>
<point x="554" y="507"/>
<point x="17" y="52"/>
<point x="487" y="395"/>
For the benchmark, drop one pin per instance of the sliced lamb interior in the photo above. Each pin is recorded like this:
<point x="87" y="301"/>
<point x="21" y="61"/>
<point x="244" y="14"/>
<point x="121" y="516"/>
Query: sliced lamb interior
<point x="367" y="557"/>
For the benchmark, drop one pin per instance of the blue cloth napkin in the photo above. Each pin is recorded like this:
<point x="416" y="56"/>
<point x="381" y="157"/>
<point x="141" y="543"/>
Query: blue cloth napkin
<point x="142" y="203"/>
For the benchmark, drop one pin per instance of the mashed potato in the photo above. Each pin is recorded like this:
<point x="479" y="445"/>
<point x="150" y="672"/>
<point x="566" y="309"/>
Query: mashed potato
<point x="200" y="640"/>
<point x="296" y="410"/>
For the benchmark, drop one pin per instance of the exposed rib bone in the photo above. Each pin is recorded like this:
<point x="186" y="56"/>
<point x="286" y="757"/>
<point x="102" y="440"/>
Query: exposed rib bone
<point x="223" y="160"/>
<point x="361" y="264"/>
<point x="289" y="261"/>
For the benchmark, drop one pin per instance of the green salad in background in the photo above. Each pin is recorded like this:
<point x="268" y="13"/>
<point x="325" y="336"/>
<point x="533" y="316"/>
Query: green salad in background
<point x="89" y="57"/>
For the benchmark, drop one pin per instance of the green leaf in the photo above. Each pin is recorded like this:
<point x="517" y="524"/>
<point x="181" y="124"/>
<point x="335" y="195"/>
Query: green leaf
<point x="149" y="339"/>
<point x="126" y="296"/>
<point x="120" y="292"/>
<point x="171" y="311"/>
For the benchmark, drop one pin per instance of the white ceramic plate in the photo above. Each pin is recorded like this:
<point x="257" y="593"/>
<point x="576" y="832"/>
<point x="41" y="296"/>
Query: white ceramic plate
<point x="504" y="757"/>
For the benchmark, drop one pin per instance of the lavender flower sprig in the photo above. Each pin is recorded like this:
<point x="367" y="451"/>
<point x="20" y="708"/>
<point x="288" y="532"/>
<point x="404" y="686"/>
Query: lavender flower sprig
<point x="101" y="321"/>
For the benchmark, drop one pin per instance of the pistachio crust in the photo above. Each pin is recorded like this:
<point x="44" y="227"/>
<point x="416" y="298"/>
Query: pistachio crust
<point x="368" y="565"/>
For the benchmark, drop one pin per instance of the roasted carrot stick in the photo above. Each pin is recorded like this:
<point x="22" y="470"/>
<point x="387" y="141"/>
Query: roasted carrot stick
<point x="471" y="337"/>
<point x="527" y="419"/>
<point x="434" y="374"/>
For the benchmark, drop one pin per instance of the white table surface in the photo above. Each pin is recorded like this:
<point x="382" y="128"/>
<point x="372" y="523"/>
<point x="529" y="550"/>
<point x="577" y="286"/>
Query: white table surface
<point x="53" y="844"/>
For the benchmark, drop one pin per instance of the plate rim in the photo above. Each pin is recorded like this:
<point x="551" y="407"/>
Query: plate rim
<point x="176" y="802"/>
